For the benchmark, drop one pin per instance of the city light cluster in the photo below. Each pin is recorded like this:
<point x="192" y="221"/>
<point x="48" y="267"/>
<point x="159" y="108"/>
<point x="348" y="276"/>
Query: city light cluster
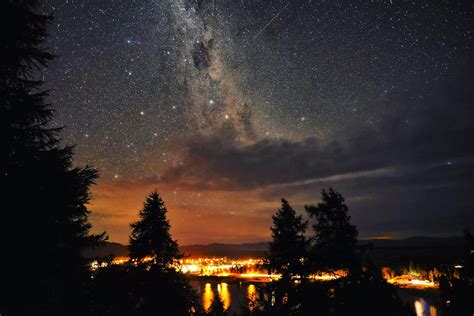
<point x="249" y="268"/>
<point x="410" y="281"/>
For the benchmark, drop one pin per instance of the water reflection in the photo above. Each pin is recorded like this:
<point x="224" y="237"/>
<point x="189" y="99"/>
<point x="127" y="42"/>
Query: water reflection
<point x="423" y="308"/>
<point x="252" y="296"/>
<point x="224" y="294"/>
<point x="207" y="296"/>
<point x="236" y="295"/>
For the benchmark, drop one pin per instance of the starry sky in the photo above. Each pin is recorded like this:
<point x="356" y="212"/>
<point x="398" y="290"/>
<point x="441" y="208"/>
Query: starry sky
<point x="226" y="106"/>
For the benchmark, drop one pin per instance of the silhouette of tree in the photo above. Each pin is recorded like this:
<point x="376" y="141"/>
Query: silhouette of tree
<point x="468" y="270"/>
<point x="217" y="308"/>
<point x="335" y="239"/>
<point x="287" y="256"/>
<point x="361" y="292"/>
<point x="366" y="293"/>
<point x="150" y="235"/>
<point x="43" y="196"/>
<point x="283" y="298"/>
<point x="287" y="253"/>
<point x="150" y="287"/>
<point x="457" y="289"/>
<point x="142" y="290"/>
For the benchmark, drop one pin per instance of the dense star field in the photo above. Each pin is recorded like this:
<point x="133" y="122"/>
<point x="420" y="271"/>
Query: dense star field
<point x="227" y="106"/>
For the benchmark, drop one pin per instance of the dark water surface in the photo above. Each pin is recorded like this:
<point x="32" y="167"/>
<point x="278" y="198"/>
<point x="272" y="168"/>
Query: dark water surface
<point x="235" y="295"/>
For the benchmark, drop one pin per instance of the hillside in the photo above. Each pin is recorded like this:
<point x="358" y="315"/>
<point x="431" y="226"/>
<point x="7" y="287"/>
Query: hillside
<point x="421" y="250"/>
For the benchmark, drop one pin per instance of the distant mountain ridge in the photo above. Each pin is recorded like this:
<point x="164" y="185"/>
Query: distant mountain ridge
<point x="113" y="249"/>
<point x="252" y="250"/>
<point x="419" y="248"/>
<point x="415" y="242"/>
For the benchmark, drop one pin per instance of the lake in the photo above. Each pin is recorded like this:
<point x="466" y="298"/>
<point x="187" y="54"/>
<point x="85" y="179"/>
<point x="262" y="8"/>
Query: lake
<point x="236" y="295"/>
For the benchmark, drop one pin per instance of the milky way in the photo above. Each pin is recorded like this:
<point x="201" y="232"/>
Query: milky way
<point x="226" y="106"/>
<point x="212" y="95"/>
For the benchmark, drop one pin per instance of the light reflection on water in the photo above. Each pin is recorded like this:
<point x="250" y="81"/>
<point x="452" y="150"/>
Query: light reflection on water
<point x="207" y="296"/>
<point x="224" y="294"/>
<point x="236" y="295"/>
<point x="423" y="308"/>
<point x="252" y="296"/>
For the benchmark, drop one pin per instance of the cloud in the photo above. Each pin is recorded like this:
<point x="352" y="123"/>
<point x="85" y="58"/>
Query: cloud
<point x="411" y="173"/>
<point x="413" y="167"/>
<point x="431" y="131"/>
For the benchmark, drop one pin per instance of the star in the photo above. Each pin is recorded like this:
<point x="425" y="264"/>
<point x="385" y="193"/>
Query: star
<point x="153" y="77"/>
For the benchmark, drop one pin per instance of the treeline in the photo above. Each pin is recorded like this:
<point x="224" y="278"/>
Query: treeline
<point x="45" y="226"/>
<point x="330" y="249"/>
<point x="152" y="284"/>
<point x="44" y="219"/>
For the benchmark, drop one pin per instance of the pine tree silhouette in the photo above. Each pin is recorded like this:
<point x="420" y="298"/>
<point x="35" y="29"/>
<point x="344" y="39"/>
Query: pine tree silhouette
<point x="217" y="308"/>
<point x="150" y="235"/>
<point x="44" y="219"/>
<point x="335" y="238"/>
<point x="287" y="252"/>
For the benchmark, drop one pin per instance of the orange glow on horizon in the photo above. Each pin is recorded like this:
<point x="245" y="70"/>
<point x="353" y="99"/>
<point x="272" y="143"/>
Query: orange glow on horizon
<point x="382" y="238"/>
<point x="116" y="204"/>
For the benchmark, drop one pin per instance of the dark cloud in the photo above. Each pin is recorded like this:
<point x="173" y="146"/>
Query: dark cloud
<point x="424" y="138"/>
<point x="414" y="168"/>
<point x="431" y="131"/>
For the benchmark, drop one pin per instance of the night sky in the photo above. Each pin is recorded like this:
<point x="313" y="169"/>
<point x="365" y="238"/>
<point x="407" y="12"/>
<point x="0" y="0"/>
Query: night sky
<point x="227" y="106"/>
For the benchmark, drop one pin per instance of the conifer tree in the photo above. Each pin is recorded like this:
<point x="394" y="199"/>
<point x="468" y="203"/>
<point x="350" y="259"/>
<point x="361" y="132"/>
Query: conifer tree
<point x="335" y="238"/>
<point x="288" y="251"/>
<point x="150" y="234"/>
<point x="44" y="218"/>
<point x="217" y="308"/>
